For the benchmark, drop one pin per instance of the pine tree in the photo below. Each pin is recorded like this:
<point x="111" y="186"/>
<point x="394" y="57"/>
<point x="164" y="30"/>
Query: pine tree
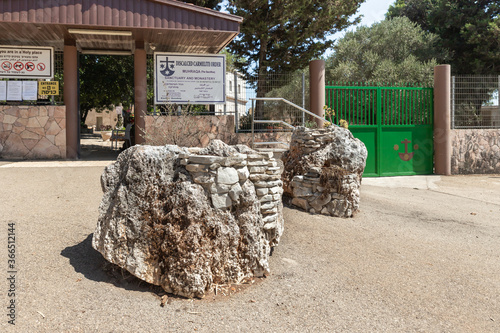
<point x="280" y="36"/>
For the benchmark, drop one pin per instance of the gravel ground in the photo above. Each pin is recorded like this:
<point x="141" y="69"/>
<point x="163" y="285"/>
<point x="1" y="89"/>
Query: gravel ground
<point x="415" y="259"/>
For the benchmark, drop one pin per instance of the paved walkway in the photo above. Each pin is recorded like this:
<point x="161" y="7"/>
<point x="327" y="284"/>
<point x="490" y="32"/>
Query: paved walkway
<point x="414" y="259"/>
<point x="94" y="152"/>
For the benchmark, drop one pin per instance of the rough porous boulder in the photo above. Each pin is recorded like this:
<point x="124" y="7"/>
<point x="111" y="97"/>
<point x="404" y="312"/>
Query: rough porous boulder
<point x="185" y="219"/>
<point x="323" y="170"/>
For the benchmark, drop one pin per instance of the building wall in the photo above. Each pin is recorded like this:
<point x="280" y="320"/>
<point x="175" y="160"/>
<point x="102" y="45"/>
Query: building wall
<point x="32" y="132"/>
<point x="490" y="116"/>
<point x="108" y="118"/>
<point x="475" y="151"/>
<point x="242" y="96"/>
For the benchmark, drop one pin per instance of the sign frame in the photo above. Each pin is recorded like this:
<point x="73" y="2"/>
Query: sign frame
<point x="200" y="79"/>
<point x="18" y="62"/>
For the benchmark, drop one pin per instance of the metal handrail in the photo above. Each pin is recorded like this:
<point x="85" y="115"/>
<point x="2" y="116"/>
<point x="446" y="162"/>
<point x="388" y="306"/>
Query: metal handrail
<point x="276" y="121"/>
<point x="288" y="102"/>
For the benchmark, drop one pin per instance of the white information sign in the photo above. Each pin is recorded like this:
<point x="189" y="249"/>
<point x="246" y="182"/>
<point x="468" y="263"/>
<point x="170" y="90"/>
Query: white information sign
<point x="3" y="90"/>
<point x="26" y="62"/>
<point x="190" y="78"/>
<point x="14" y="90"/>
<point x="30" y="90"/>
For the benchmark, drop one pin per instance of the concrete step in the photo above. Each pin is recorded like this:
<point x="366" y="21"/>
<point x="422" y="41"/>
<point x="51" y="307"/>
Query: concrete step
<point x="278" y="152"/>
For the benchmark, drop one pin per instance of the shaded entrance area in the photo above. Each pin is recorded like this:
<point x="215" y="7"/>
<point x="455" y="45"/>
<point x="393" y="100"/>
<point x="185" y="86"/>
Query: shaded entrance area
<point x="92" y="147"/>
<point x="106" y="100"/>
<point x="130" y="27"/>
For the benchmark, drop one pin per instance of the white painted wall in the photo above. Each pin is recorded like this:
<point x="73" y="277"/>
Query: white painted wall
<point x="242" y="96"/>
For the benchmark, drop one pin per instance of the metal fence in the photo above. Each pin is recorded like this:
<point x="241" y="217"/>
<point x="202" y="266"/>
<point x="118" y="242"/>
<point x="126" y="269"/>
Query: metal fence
<point x="365" y="105"/>
<point x="293" y="87"/>
<point x="59" y="76"/>
<point x="475" y="101"/>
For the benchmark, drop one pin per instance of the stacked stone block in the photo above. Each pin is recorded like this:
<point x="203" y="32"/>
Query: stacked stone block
<point x="187" y="219"/>
<point x="323" y="171"/>
<point x="309" y="195"/>
<point x="223" y="178"/>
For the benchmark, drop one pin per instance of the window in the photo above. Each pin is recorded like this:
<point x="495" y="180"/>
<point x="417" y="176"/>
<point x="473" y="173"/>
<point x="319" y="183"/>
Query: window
<point x="239" y="88"/>
<point x="230" y="85"/>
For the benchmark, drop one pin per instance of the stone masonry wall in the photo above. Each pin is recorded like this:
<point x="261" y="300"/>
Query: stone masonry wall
<point x="323" y="171"/>
<point x="223" y="177"/>
<point x="191" y="219"/>
<point x="197" y="131"/>
<point x="475" y="151"/>
<point x="32" y="132"/>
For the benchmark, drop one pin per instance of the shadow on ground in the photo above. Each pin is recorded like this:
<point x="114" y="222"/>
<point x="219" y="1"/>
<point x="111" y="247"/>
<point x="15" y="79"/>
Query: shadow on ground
<point x="94" y="149"/>
<point x="87" y="261"/>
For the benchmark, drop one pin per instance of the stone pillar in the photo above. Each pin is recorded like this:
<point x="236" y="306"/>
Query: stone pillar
<point x="442" y="131"/>
<point x="71" y="99"/>
<point x="317" y="89"/>
<point x="141" y="85"/>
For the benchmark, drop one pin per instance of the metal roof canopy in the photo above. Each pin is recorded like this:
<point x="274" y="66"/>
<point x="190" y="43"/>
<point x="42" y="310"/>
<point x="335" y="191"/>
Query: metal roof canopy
<point x="100" y="26"/>
<point x="133" y="27"/>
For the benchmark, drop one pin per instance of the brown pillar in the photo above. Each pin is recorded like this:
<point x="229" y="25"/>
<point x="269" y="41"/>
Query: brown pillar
<point x="71" y="99"/>
<point x="140" y="83"/>
<point x="442" y="143"/>
<point x="317" y="89"/>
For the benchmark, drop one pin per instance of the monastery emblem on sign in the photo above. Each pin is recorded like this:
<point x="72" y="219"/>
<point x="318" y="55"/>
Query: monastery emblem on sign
<point x="167" y="67"/>
<point x="406" y="156"/>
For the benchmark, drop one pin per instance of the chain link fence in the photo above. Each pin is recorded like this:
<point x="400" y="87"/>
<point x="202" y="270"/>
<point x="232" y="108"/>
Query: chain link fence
<point x="475" y="101"/>
<point x="293" y="87"/>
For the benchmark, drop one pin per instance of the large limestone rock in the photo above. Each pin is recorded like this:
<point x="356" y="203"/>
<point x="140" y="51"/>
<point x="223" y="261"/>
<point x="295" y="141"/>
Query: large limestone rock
<point x="323" y="170"/>
<point x="185" y="219"/>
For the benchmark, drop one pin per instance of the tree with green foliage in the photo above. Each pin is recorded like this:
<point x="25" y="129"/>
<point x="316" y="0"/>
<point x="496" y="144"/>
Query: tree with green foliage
<point x="283" y="36"/>
<point x="212" y="4"/>
<point x="105" y="81"/>
<point x="231" y="60"/>
<point x="469" y="29"/>
<point x="393" y="51"/>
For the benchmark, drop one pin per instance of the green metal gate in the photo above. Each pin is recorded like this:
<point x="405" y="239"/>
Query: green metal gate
<point x="395" y="124"/>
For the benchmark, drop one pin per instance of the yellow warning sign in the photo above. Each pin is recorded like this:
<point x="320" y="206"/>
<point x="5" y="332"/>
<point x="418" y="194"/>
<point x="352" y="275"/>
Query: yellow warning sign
<point x="48" y="87"/>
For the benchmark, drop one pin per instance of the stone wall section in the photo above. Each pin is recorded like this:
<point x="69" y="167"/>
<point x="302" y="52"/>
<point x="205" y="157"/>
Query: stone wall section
<point x="32" y="132"/>
<point x="188" y="131"/>
<point x="187" y="219"/>
<point x="475" y="151"/>
<point x="309" y="195"/>
<point x="223" y="178"/>
<point x="198" y="131"/>
<point x="323" y="171"/>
